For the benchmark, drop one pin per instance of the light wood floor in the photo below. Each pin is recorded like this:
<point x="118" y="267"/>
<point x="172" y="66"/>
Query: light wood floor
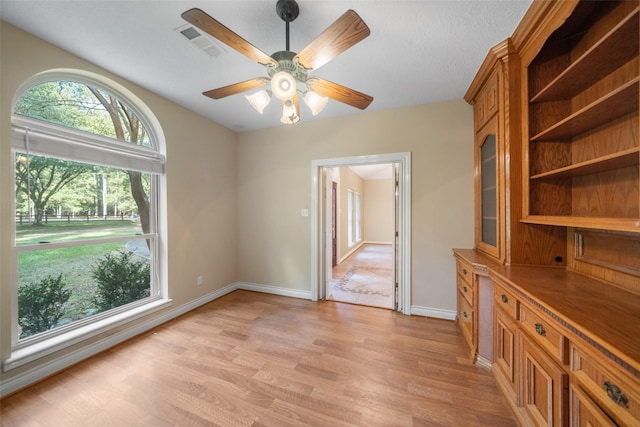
<point x="251" y="359"/>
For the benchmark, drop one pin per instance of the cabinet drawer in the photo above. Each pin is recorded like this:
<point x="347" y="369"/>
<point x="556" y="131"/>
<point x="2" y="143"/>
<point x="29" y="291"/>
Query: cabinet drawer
<point x="585" y="412"/>
<point x="506" y="301"/>
<point x="465" y="290"/>
<point x="614" y="393"/>
<point x="544" y="334"/>
<point x="464" y="273"/>
<point x="465" y="318"/>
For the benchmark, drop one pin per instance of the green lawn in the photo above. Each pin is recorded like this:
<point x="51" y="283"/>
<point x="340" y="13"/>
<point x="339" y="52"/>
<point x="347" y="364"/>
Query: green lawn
<point x="75" y="230"/>
<point x="74" y="263"/>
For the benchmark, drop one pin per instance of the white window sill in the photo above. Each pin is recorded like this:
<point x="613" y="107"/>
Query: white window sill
<point x="43" y="348"/>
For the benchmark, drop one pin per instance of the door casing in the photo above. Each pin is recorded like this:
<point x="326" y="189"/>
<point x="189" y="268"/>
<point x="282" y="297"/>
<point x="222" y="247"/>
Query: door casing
<point x="318" y="226"/>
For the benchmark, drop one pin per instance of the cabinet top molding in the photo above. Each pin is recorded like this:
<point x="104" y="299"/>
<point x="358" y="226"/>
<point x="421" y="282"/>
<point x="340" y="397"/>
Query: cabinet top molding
<point x="531" y="31"/>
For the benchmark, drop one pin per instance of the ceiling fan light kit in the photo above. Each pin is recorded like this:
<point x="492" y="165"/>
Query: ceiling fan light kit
<point x="259" y="100"/>
<point x="290" y="114"/>
<point x="283" y="85"/>
<point x="288" y="70"/>
<point x="315" y="102"/>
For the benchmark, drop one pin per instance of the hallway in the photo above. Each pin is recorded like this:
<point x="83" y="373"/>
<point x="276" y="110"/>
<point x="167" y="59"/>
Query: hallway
<point x="365" y="278"/>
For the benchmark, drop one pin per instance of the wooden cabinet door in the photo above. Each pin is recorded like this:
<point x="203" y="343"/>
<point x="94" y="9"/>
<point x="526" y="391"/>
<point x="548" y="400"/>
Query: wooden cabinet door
<point x="488" y="189"/>
<point x="543" y="392"/>
<point x="504" y="352"/>
<point x="465" y="319"/>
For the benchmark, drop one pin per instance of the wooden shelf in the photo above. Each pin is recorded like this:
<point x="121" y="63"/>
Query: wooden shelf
<point x="622" y="101"/>
<point x="620" y="224"/>
<point x="616" y="48"/>
<point x="626" y="158"/>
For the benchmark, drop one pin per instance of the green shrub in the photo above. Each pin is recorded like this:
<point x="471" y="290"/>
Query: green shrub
<point x="41" y="305"/>
<point x="120" y="280"/>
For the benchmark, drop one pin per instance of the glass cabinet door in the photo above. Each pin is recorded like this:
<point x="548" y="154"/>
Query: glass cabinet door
<point x="487" y="191"/>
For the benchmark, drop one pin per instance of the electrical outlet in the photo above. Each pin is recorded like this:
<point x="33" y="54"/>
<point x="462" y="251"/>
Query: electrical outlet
<point x="199" y="281"/>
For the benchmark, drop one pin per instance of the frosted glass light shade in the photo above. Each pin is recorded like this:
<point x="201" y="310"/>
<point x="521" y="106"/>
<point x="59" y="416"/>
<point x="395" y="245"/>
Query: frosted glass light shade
<point x="289" y="113"/>
<point x="259" y="100"/>
<point x="283" y="85"/>
<point x="315" y="102"/>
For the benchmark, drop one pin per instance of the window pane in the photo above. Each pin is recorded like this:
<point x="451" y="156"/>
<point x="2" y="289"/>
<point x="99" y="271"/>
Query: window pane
<point x="76" y="201"/>
<point x="60" y="286"/>
<point x="83" y="107"/>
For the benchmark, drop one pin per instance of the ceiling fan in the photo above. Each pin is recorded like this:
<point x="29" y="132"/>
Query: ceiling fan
<point x="288" y="70"/>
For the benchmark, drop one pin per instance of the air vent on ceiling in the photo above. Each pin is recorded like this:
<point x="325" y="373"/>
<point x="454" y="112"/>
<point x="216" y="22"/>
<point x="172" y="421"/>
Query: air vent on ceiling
<point x="203" y="42"/>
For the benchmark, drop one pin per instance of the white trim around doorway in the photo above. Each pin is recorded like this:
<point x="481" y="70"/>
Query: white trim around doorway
<point x="404" y="232"/>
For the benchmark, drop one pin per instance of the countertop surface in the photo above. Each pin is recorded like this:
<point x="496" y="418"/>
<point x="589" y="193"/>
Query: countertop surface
<point x="607" y="315"/>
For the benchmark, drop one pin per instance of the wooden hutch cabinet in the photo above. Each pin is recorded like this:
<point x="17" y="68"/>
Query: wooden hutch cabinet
<point x="557" y="215"/>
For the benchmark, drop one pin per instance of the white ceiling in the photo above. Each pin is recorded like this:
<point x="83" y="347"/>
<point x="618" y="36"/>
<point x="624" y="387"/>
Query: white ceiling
<point x="419" y="51"/>
<point x="376" y="171"/>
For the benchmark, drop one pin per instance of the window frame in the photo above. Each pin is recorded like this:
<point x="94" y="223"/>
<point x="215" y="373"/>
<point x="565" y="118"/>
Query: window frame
<point x="350" y="233"/>
<point x="58" y="141"/>
<point x="358" y="217"/>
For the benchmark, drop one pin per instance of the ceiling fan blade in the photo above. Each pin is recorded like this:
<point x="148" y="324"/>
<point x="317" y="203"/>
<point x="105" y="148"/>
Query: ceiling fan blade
<point x="235" y="88"/>
<point x="339" y="93"/>
<point x="209" y="25"/>
<point x="345" y="32"/>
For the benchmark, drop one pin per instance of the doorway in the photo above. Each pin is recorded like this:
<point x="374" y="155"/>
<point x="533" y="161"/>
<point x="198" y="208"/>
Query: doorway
<point x="323" y="232"/>
<point x="363" y="206"/>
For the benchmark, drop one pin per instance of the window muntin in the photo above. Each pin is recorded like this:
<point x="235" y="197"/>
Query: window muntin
<point x="127" y="150"/>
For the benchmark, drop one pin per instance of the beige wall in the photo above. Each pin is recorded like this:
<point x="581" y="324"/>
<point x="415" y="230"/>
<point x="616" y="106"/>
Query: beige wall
<point x="201" y="180"/>
<point x="378" y="207"/>
<point x="274" y="240"/>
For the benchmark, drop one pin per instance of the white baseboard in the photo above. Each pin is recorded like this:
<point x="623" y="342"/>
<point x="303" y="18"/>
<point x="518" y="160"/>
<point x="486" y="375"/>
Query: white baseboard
<point x="276" y="290"/>
<point x="436" y="313"/>
<point x="369" y="242"/>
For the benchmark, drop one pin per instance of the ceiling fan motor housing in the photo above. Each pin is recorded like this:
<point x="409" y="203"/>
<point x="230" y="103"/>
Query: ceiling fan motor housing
<point x="286" y="63"/>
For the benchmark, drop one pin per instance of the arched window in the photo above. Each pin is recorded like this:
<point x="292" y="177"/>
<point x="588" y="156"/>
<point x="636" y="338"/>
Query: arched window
<point x="89" y="175"/>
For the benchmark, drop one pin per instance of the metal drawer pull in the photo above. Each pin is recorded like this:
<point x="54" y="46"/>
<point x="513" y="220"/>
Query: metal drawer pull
<point x="615" y="394"/>
<point x="464" y="271"/>
<point x="504" y="298"/>
<point x="540" y="329"/>
<point x="464" y="288"/>
<point x="464" y="313"/>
